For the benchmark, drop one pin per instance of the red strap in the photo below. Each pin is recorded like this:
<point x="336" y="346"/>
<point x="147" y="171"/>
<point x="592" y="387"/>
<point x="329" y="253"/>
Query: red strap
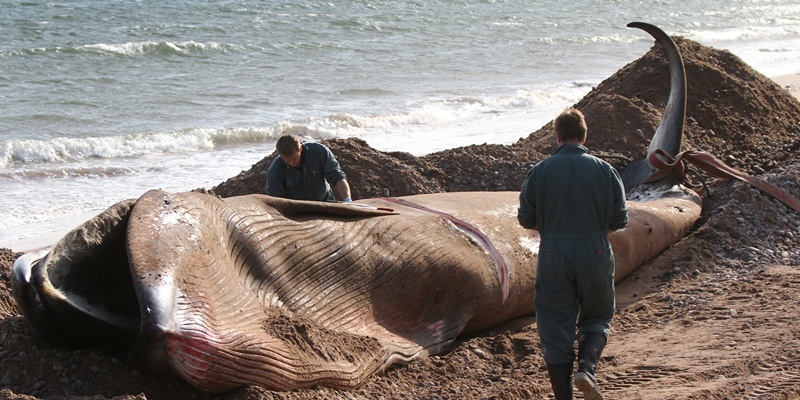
<point x="666" y="164"/>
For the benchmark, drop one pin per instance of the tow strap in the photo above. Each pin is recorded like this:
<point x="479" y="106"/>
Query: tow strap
<point x="666" y="164"/>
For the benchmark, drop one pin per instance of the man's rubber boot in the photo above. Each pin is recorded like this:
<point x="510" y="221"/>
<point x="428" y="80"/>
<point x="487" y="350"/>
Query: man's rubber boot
<point x="590" y="347"/>
<point x="561" y="380"/>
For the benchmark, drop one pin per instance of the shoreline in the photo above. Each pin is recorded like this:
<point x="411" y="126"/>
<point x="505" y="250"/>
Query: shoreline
<point x="790" y="83"/>
<point x="56" y="229"/>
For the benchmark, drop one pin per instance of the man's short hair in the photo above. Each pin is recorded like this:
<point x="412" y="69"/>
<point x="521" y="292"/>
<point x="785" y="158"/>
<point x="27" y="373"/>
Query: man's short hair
<point x="570" y="125"/>
<point x="288" y="144"/>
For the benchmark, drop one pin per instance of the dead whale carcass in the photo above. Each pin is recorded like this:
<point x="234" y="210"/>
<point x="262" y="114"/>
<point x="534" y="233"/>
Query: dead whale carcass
<point x="289" y="294"/>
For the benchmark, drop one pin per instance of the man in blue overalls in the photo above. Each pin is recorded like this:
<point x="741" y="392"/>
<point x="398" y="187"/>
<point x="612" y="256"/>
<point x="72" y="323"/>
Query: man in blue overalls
<point x="574" y="200"/>
<point x="305" y="171"/>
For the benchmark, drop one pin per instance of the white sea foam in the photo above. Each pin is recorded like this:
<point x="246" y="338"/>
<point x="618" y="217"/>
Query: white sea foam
<point x="742" y="33"/>
<point x="426" y="115"/>
<point x="164" y="47"/>
<point x="61" y="149"/>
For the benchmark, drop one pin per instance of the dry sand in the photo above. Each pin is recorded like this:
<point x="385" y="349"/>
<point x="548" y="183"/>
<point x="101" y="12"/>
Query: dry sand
<point x="789" y="82"/>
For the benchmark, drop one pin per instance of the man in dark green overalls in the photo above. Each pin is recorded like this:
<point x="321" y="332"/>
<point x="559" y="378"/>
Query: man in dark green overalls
<point x="574" y="200"/>
<point x="305" y="171"/>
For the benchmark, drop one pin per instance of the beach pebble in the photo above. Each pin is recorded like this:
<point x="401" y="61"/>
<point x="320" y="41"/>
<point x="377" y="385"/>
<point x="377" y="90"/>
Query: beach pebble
<point x="480" y="353"/>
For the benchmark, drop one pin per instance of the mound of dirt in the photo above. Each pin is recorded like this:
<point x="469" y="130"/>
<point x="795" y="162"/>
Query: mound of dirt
<point x="713" y="317"/>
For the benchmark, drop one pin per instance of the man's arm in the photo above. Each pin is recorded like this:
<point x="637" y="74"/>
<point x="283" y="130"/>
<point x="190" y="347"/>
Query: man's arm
<point x="343" y="188"/>
<point x="526" y="213"/>
<point x="275" y="181"/>
<point x="620" y="217"/>
<point x="334" y="174"/>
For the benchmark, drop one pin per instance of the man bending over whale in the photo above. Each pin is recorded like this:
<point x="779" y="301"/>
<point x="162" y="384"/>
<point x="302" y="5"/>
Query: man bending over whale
<point x="574" y="200"/>
<point x="305" y="171"/>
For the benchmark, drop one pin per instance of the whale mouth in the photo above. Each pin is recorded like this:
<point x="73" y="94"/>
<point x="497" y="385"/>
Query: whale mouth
<point x="80" y="292"/>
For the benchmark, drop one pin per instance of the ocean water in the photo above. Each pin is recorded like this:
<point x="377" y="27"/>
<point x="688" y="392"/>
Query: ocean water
<point x="103" y="100"/>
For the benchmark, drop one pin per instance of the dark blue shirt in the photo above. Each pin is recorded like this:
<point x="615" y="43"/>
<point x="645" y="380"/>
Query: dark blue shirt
<point x="572" y="195"/>
<point x="317" y="173"/>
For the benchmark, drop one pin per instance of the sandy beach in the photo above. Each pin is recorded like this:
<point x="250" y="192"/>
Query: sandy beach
<point x="790" y="82"/>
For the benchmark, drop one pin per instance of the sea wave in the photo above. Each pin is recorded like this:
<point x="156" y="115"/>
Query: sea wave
<point x="586" y="39"/>
<point x="421" y="115"/>
<point x="62" y="149"/>
<point x="133" y="49"/>
<point x="69" y="172"/>
<point x="432" y="113"/>
<point x="751" y="33"/>
<point x="161" y="48"/>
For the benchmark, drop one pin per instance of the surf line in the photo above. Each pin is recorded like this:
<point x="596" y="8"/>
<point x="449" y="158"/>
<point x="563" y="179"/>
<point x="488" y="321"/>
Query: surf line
<point x="473" y="231"/>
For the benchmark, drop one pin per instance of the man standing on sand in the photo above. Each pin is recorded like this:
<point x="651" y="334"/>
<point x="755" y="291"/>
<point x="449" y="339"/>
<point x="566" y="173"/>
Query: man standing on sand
<point x="574" y="200"/>
<point x="305" y="171"/>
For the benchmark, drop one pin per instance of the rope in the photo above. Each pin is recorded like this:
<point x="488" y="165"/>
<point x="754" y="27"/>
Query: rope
<point x="666" y="165"/>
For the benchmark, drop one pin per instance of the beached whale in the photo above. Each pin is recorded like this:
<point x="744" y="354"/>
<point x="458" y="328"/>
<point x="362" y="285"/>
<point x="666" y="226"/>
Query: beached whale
<point x="289" y="294"/>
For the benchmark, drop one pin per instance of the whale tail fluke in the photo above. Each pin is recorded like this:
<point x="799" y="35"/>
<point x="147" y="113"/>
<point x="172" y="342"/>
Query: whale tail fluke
<point x="669" y="134"/>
